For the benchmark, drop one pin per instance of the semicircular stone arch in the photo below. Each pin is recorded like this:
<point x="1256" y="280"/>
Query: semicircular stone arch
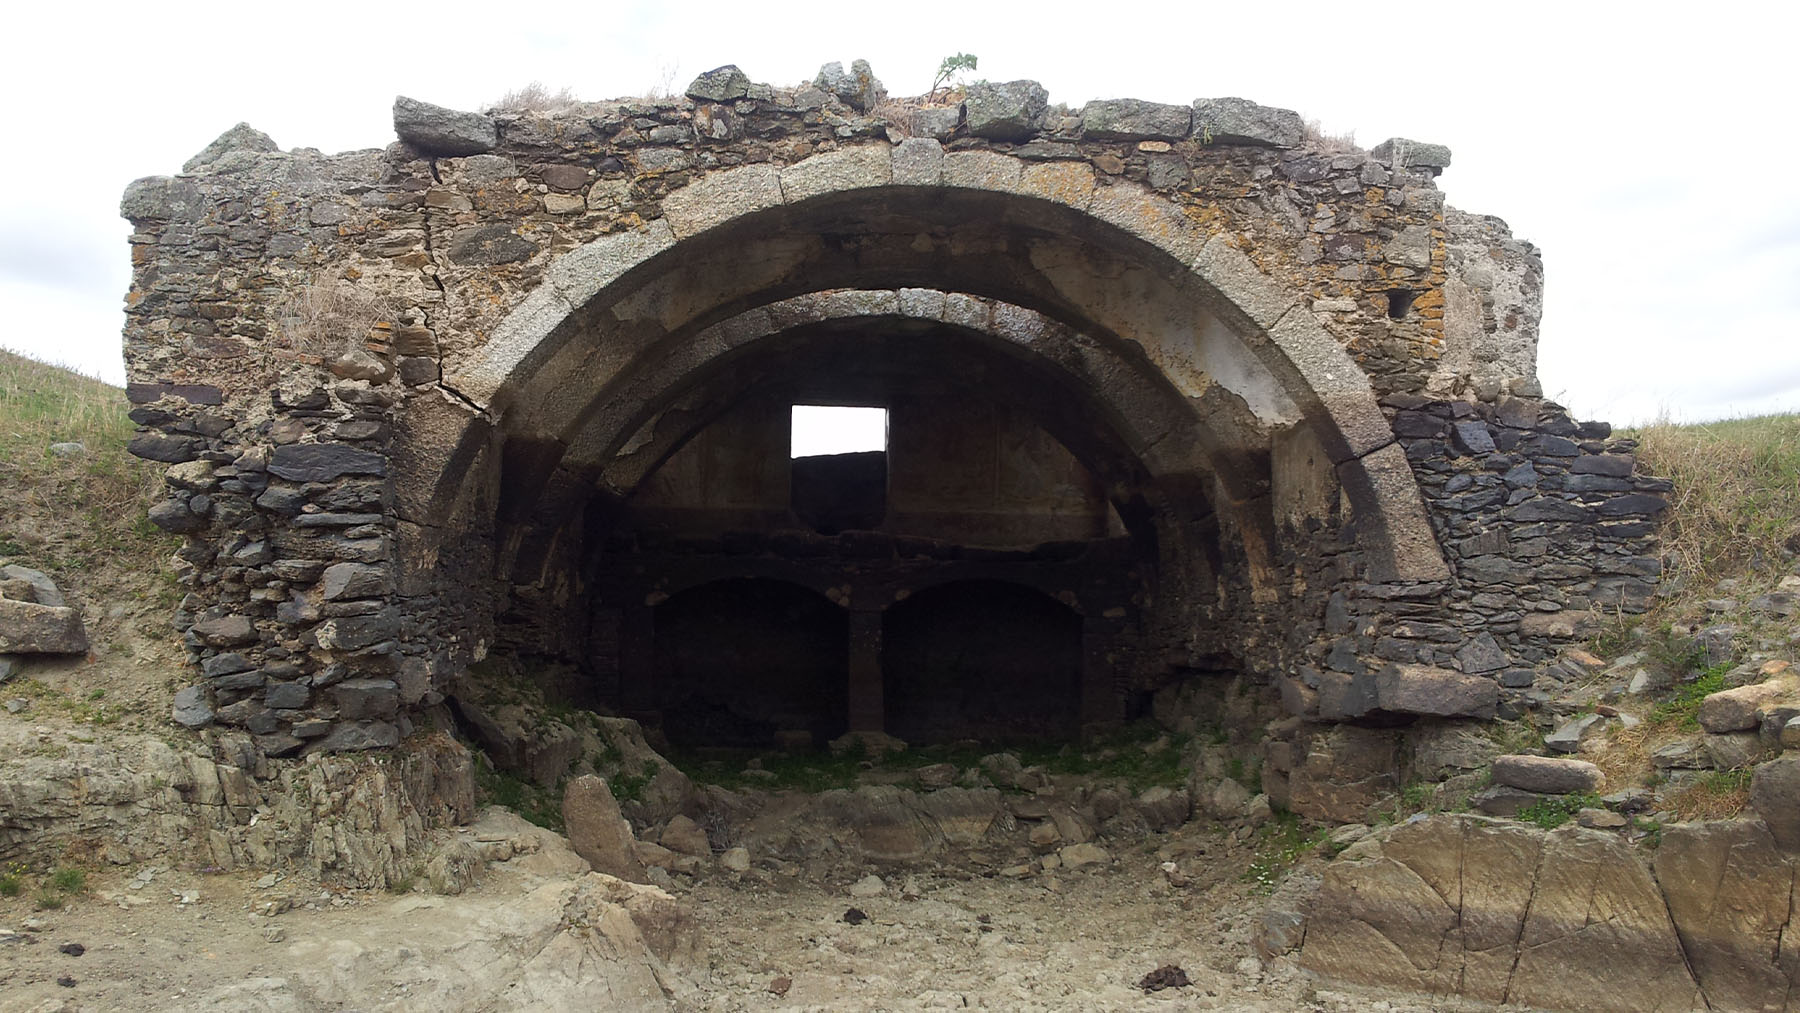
<point x="1190" y="303"/>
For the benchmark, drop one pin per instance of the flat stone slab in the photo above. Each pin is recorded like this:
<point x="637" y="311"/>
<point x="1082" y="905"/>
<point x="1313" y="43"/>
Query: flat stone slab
<point x="1549" y="775"/>
<point x="436" y="130"/>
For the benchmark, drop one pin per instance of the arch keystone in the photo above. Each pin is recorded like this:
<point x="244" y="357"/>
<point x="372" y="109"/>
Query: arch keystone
<point x="918" y="161"/>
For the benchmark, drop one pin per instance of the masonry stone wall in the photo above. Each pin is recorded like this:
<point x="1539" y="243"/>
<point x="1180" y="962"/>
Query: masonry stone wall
<point x="1338" y="471"/>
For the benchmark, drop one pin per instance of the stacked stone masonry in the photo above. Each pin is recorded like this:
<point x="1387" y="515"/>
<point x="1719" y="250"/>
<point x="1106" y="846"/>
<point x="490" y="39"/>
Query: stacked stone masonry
<point x="408" y="396"/>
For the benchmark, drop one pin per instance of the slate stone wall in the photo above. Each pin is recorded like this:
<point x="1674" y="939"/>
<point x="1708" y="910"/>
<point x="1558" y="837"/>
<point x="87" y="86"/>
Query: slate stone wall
<point x="290" y="312"/>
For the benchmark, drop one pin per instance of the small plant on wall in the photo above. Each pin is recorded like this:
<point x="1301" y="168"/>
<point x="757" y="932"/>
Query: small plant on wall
<point x="949" y="72"/>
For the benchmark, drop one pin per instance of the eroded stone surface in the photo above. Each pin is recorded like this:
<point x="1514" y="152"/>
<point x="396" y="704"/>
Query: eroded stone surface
<point x="1502" y="912"/>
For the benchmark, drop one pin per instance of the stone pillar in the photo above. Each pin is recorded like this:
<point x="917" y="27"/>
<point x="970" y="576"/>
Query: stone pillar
<point x="865" y="690"/>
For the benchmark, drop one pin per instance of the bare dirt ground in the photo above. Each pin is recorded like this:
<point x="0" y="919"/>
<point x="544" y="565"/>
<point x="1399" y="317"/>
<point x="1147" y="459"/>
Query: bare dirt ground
<point x="945" y="937"/>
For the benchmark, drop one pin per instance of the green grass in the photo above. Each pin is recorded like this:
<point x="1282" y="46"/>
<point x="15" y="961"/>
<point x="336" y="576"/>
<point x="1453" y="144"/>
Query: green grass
<point x="1126" y="755"/>
<point x="1682" y="709"/>
<point x="81" y="514"/>
<point x="1283" y="843"/>
<point x="69" y="880"/>
<point x="1553" y="812"/>
<point x="1713" y="795"/>
<point x="630" y="787"/>
<point x="537" y="804"/>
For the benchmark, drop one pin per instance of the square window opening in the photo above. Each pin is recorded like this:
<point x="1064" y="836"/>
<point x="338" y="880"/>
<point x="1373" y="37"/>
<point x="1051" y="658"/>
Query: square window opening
<point x="839" y="471"/>
<point x="817" y="430"/>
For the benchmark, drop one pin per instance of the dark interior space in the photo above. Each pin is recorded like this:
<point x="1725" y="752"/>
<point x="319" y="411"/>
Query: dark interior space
<point x="739" y="660"/>
<point x="990" y="481"/>
<point x="984" y="660"/>
<point x="840" y="492"/>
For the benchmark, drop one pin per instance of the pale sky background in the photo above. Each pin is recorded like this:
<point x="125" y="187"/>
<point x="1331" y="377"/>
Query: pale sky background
<point x="1647" y="148"/>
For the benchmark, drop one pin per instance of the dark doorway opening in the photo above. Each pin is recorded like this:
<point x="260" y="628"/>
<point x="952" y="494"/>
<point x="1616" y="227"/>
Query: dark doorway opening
<point x="739" y="660"/>
<point x="982" y="659"/>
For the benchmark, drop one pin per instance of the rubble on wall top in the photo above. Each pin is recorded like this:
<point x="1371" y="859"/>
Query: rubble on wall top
<point x="1007" y="111"/>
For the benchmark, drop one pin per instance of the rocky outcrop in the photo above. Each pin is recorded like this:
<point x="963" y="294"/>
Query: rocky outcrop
<point x="587" y="941"/>
<point x="1743" y="708"/>
<point x="1775" y="795"/>
<point x="1735" y="900"/>
<point x="358" y="820"/>
<point x="523" y="738"/>
<point x="1564" y="919"/>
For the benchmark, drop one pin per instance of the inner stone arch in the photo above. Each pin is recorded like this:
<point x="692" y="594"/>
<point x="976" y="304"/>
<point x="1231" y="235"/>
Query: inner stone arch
<point x="740" y="659"/>
<point x="982" y="659"/>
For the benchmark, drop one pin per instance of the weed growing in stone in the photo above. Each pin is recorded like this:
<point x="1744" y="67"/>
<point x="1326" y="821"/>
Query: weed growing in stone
<point x="950" y="69"/>
<point x="12" y="880"/>
<point x="1141" y="755"/>
<point x="1284" y="842"/>
<point x="630" y="787"/>
<point x="1682" y="710"/>
<point x="1553" y="812"/>
<point x="542" y="806"/>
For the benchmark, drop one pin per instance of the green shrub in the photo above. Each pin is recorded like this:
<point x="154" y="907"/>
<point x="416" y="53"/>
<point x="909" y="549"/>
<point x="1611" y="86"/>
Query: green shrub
<point x="69" y="880"/>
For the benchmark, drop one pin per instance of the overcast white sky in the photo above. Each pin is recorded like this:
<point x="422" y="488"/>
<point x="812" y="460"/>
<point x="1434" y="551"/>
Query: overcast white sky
<point x="1647" y="148"/>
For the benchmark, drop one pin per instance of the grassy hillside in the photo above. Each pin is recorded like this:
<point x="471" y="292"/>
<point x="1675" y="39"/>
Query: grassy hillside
<point x="1731" y="535"/>
<point x="1736" y="505"/>
<point x="78" y="516"/>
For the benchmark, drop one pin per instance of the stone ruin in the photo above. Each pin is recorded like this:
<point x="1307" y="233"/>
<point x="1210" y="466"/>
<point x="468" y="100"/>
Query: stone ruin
<point x="1173" y="392"/>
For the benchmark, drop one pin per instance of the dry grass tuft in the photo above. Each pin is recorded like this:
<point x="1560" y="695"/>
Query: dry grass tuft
<point x="1336" y="144"/>
<point x="1713" y="795"/>
<point x="898" y="112"/>
<point x="328" y="320"/>
<point x="535" y="98"/>
<point x="1735" y="511"/>
<point x="1625" y="760"/>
